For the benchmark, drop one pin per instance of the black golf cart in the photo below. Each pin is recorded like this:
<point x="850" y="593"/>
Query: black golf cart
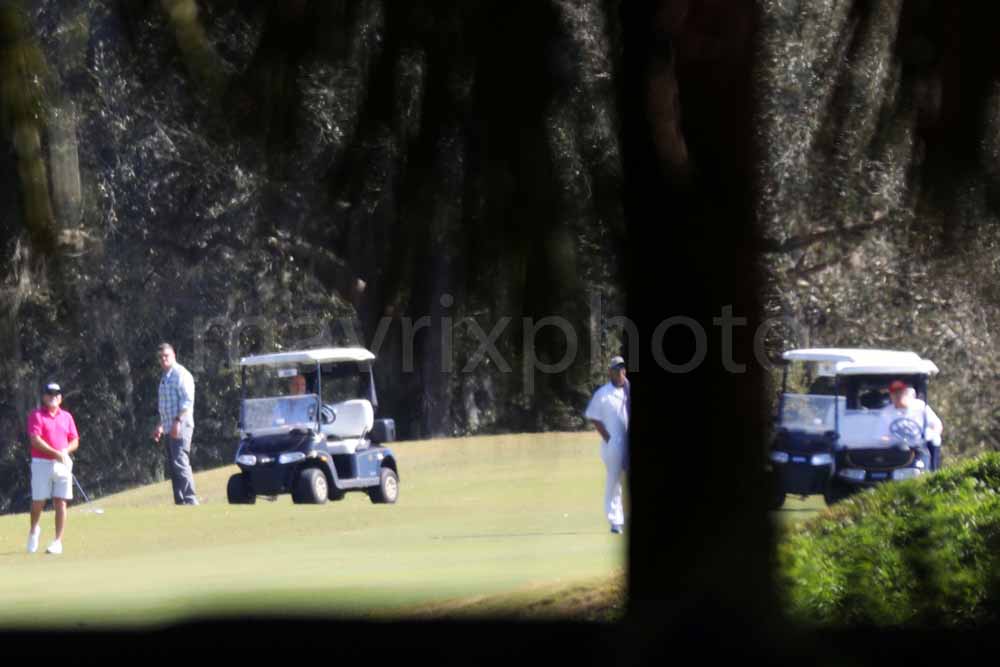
<point x="832" y="435"/>
<point x="308" y="428"/>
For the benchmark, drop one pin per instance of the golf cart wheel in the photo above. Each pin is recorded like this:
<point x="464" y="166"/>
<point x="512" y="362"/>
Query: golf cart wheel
<point x="835" y="492"/>
<point x="777" y="499"/>
<point x="238" y="491"/>
<point x="387" y="491"/>
<point x="311" y="487"/>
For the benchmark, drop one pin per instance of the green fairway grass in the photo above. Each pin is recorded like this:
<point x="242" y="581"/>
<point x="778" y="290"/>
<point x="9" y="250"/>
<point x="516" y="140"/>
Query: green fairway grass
<point x="494" y="524"/>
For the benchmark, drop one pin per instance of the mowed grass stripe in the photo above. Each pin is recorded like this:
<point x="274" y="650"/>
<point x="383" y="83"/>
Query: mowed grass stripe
<point x="486" y="516"/>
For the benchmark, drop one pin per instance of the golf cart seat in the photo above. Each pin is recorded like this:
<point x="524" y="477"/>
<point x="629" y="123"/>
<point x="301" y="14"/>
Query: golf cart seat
<point x="351" y="421"/>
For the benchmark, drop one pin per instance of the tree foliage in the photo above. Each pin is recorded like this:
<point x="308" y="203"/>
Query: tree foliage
<point x="908" y="554"/>
<point x="875" y="193"/>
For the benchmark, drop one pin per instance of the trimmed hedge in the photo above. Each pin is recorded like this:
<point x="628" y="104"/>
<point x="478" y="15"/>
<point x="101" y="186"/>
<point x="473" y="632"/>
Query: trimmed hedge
<point x="924" y="552"/>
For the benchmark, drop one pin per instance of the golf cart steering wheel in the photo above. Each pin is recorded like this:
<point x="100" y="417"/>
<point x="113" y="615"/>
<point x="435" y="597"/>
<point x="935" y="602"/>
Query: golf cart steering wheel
<point x="906" y="430"/>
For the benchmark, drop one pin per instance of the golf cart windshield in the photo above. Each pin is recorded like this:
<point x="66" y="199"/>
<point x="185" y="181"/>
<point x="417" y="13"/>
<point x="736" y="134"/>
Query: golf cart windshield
<point x="808" y="398"/>
<point x="812" y="413"/>
<point x="274" y="381"/>
<point x="279" y="398"/>
<point x="274" y="415"/>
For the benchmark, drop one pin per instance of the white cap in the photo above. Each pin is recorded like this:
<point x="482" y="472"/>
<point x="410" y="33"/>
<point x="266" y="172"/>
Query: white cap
<point x="616" y="361"/>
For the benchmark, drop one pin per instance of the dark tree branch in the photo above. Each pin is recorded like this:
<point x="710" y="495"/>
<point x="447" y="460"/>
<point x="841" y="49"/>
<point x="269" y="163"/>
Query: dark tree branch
<point x="806" y="240"/>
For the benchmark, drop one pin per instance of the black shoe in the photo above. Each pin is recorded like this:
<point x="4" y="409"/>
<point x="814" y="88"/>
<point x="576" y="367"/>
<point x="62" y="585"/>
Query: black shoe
<point x="617" y="528"/>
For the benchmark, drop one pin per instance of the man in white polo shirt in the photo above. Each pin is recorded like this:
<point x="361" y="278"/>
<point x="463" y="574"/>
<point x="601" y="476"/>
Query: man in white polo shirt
<point x="608" y="412"/>
<point x="912" y="420"/>
<point x="53" y="437"/>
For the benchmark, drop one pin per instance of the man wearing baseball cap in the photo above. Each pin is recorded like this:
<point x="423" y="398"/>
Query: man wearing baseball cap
<point x="907" y="413"/>
<point x="53" y="436"/>
<point x="608" y="411"/>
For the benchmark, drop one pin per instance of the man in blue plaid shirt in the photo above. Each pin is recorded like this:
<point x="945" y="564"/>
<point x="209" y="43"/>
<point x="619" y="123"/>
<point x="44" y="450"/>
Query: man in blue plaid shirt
<point x="177" y="421"/>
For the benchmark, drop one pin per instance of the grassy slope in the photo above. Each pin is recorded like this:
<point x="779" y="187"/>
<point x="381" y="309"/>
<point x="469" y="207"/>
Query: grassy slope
<point x="598" y="599"/>
<point x="496" y="525"/>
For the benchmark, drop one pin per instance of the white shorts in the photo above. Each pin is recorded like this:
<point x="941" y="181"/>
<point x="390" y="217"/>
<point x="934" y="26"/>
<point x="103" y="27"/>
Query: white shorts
<point x="51" y="479"/>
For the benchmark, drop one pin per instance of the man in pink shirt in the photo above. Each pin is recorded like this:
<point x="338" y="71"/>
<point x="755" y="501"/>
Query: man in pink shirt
<point x="53" y="436"/>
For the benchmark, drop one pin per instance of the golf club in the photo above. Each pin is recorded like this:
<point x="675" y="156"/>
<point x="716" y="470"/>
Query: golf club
<point x="95" y="510"/>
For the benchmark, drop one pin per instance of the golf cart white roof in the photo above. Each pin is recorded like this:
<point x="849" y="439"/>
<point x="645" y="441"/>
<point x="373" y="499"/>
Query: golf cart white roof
<point x="322" y="355"/>
<point x="852" y="361"/>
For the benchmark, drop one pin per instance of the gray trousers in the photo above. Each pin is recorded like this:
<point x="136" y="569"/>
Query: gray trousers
<point x="179" y="464"/>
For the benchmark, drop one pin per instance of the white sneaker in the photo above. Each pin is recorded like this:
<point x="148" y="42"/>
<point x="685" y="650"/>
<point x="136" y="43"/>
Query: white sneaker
<point x="55" y="548"/>
<point x="33" y="540"/>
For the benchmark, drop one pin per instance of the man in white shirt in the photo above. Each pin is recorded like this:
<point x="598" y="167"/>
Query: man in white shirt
<point x="608" y="412"/>
<point x="912" y="420"/>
